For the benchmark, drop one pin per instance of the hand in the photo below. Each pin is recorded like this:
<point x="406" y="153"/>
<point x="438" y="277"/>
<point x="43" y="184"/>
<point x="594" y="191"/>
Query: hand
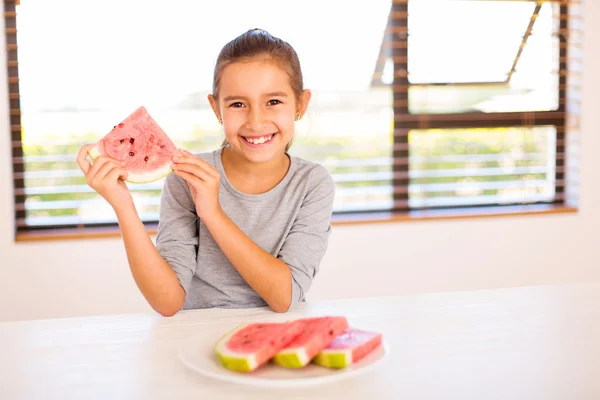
<point x="106" y="177"/>
<point x="203" y="180"/>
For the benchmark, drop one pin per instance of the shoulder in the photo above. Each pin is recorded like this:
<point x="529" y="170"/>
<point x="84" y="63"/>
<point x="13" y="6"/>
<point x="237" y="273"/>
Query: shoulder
<point x="316" y="176"/>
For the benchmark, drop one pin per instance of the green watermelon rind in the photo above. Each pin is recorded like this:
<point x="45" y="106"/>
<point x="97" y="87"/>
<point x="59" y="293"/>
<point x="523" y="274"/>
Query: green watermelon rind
<point x="335" y="359"/>
<point x="231" y="360"/>
<point x="147" y="177"/>
<point x="292" y="358"/>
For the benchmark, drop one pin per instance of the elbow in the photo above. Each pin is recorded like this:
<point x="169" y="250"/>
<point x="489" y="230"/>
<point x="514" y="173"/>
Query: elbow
<point x="167" y="312"/>
<point x="282" y="305"/>
<point x="282" y="302"/>
<point x="168" y="308"/>
<point x="279" y="309"/>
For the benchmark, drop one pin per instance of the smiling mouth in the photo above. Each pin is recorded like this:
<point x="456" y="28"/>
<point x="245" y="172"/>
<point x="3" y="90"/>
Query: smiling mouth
<point x="259" y="139"/>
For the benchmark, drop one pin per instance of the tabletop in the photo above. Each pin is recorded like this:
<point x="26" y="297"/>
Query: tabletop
<point x="539" y="342"/>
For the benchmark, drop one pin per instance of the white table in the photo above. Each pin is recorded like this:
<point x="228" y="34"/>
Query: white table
<point x="519" y="343"/>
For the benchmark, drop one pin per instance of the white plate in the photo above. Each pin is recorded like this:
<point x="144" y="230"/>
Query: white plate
<point x="199" y="355"/>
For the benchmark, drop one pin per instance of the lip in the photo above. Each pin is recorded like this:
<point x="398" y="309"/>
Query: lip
<point x="265" y="144"/>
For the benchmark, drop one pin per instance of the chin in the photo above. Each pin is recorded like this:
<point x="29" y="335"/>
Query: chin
<point x="261" y="157"/>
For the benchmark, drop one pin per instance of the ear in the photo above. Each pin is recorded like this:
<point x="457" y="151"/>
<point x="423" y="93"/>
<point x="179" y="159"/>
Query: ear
<point x="215" y="107"/>
<point x="303" y="101"/>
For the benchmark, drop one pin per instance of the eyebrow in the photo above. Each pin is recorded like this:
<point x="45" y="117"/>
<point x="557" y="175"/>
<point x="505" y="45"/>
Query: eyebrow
<point x="273" y="94"/>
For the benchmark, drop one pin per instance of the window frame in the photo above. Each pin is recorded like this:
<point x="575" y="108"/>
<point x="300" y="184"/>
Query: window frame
<point x="396" y="40"/>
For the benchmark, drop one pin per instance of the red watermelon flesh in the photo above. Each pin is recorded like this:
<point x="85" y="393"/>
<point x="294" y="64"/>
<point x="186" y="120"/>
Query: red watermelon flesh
<point x="142" y="144"/>
<point x="347" y="348"/>
<point x="316" y="334"/>
<point x="251" y="345"/>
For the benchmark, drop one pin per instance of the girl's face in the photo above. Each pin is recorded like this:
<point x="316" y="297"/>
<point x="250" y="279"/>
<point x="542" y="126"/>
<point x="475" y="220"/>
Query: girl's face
<point x="258" y="107"/>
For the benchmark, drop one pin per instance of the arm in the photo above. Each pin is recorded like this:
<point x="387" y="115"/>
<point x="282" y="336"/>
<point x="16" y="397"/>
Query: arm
<point x="307" y="242"/>
<point x="164" y="272"/>
<point x="267" y="275"/>
<point x="154" y="277"/>
<point x="152" y="274"/>
<point x="280" y="281"/>
<point x="284" y="280"/>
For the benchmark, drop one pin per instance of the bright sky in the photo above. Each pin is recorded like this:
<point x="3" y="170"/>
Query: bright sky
<point x="122" y="53"/>
<point x="130" y="51"/>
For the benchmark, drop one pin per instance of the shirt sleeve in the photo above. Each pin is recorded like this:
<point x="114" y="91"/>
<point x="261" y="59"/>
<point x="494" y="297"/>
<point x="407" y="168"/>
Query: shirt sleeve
<point x="307" y="241"/>
<point x="177" y="237"/>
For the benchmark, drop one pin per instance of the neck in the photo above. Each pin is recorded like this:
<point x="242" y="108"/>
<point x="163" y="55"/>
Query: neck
<point x="250" y="177"/>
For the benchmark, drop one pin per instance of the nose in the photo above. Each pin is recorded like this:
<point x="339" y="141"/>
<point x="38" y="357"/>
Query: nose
<point x="256" y="119"/>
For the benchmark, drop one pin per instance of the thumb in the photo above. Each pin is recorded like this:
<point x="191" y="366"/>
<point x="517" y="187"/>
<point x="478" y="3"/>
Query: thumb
<point x="192" y="190"/>
<point x="123" y="174"/>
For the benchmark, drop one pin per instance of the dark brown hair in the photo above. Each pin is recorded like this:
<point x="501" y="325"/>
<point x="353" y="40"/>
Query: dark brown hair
<point x="257" y="42"/>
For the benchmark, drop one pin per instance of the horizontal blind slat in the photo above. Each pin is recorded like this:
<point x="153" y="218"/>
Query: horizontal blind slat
<point x="392" y="163"/>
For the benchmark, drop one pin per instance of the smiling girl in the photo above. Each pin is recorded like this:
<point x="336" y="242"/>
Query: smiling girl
<point x="247" y="224"/>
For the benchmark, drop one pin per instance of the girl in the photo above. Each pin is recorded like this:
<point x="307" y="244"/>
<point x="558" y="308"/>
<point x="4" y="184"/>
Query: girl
<point x="245" y="225"/>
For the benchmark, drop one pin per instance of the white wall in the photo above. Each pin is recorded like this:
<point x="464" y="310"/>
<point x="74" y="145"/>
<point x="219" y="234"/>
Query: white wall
<point x="88" y="277"/>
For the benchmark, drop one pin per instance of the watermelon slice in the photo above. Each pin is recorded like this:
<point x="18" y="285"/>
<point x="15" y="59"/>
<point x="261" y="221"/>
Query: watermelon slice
<point x="251" y="345"/>
<point x="349" y="347"/>
<point x="142" y="144"/>
<point x="316" y="334"/>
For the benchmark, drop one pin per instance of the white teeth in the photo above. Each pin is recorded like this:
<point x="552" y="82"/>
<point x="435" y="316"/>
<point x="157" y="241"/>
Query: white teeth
<point x="260" y="140"/>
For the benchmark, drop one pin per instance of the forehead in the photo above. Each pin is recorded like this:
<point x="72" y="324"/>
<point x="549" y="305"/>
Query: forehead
<point x="254" y="77"/>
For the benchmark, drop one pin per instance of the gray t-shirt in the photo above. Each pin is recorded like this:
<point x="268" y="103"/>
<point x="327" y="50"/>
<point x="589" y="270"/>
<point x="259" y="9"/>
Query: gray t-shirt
<point x="291" y="222"/>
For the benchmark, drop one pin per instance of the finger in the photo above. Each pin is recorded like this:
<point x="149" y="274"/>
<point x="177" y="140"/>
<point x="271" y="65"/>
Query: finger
<point x="194" y="170"/>
<point x="193" y="181"/>
<point x="82" y="161"/>
<point x="117" y="173"/>
<point x="105" y="169"/>
<point x="192" y="159"/>
<point x="99" y="163"/>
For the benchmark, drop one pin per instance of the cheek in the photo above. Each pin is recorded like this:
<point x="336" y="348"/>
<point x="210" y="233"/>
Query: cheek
<point x="285" y="122"/>
<point x="232" y="123"/>
<point x="286" y="125"/>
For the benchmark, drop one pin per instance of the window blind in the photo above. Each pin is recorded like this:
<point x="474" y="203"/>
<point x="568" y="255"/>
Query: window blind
<point x="468" y="103"/>
<point x="485" y="93"/>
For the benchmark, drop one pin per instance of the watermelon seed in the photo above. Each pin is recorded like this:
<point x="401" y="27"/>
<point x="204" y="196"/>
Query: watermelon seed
<point x="122" y="141"/>
<point x="121" y="125"/>
<point x="331" y="332"/>
<point x="131" y="153"/>
<point x="247" y="341"/>
<point x="114" y="127"/>
<point x="146" y="158"/>
<point x="162" y="146"/>
<point x="131" y="140"/>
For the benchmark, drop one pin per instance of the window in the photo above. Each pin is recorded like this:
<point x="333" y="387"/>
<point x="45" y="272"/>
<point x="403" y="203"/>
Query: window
<point x="479" y="101"/>
<point x="467" y="103"/>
